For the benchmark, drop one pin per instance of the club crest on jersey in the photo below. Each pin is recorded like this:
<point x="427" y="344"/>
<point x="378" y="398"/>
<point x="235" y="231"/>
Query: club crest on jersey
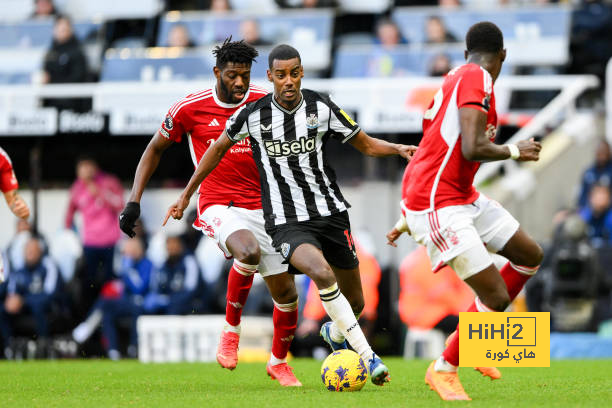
<point x="169" y="122"/>
<point x="285" y="248"/>
<point x="312" y="121"/>
<point x="277" y="148"/>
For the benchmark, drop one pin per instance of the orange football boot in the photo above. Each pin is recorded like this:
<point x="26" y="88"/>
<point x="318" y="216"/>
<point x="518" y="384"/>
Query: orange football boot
<point x="492" y="372"/>
<point x="284" y="374"/>
<point x="446" y="384"/>
<point x="227" y="352"/>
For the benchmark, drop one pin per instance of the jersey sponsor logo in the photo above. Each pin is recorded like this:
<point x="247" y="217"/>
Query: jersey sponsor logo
<point x="169" y="122"/>
<point x="347" y="117"/>
<point x="236" y="305"/>
<point x="276" y="148"/>
<point x="312" y="121"/>
<point x="285" y="248"/>
<point x="214" y="122"/>
<point x="265" y="128"/>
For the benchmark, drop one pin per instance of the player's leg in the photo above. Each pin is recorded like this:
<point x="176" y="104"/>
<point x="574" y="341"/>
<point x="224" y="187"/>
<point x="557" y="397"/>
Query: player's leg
<point x="231" y="231"/>
<point x="285" y="317"/>
<point x="309" y="259"/>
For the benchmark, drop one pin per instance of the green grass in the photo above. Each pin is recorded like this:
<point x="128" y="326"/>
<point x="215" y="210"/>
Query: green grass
<point x="128" y="383"/>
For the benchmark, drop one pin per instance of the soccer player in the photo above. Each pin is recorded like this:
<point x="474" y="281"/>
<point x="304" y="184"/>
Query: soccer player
<point x="229" y="204"/>
<point x="304" y="210"/>
<point x="9" y="185"/>
<point x="443" y="211"/>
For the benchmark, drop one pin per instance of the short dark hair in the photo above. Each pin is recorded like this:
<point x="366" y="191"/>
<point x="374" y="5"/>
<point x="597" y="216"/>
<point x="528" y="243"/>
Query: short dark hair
<point x="238" y="52"/>
<point x="283" y="52"/>
<point x="484" y="37"/>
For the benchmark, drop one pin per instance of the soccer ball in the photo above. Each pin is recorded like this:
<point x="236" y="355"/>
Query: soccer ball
<point x="344" y="370"/>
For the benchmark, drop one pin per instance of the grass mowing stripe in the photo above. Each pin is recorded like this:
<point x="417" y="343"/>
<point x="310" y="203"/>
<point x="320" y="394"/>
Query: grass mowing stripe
<point x="95" y="383"/>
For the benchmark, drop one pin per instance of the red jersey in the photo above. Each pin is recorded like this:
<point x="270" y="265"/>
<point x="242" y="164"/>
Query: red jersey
<point x="201" y="117"/>
<point x="438" y="175"/>
<point x="8" y="181"/>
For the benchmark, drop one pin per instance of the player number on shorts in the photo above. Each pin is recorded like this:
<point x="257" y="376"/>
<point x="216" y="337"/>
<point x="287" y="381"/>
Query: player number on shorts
<point x="433" y="111"/>
<point x="349" y="239"/>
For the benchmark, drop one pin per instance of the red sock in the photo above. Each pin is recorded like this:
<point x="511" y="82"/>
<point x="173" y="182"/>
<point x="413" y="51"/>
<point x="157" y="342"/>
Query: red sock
<point x="239" y="284"/>
<point x="285" y="319"/>
<point x="515" y="277"/>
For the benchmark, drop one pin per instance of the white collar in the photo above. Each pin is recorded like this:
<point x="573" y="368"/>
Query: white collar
<point x="230" y="105"/>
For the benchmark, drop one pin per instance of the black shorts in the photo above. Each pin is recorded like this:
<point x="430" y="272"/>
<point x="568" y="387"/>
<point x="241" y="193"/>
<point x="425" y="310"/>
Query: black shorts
<point x="331" y="234"/>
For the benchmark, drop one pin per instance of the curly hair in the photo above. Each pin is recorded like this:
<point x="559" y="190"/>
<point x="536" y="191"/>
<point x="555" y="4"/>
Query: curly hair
<point x="484" y="37"/>
<point x="238" y="52"/>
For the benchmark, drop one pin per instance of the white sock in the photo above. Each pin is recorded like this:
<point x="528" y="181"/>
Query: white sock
<point x="275" y="361"/>
<point x="339" y="309"/>
<point x="335" y="333"/>
<point x="444" y="366"/>
<point x="233" y="329"/>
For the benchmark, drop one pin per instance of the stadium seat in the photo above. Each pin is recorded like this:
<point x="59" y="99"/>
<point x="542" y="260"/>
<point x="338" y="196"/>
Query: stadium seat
<point x="375" y="61"/>
<point x="359" y="6"/>
<point x="532" y="35"/>
<point x="166" y="64"/>
<point x="113" y="9"/>
<point x="310" y="31"/>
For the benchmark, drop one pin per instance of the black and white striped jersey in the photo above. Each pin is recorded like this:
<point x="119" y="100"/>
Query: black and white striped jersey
<point x="297" y="182"/>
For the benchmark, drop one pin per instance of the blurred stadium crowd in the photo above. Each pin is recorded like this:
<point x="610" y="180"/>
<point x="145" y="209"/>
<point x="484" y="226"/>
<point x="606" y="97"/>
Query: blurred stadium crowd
<point x="82" y="295"/>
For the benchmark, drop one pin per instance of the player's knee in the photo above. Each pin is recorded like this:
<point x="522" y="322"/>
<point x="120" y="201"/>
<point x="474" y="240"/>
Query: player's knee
<point x="498" y="300"/>
<point x="322" y="275"/>
<point x="284" y="294"/>
<point x="357" y="304"/>
<point x="249" y="253"/>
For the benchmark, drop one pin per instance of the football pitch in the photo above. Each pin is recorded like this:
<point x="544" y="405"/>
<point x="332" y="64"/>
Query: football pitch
<point x="96" y="383"/>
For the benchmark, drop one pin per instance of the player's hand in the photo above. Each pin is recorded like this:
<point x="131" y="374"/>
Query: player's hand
<point x="128" y="217"/>
<point x="392" y="236"/>
<point x="529" y="149"/>
<point x="176" y="210"/>
<point x="20" y="208"/>
<point x="407" y="151"/>
<point x="13" y="304"/>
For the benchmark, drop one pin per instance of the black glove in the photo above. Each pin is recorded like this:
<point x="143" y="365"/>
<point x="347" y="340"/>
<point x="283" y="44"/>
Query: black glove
<point x="128" y="217"/>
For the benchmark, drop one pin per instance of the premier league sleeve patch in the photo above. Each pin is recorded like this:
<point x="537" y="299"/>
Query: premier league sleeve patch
<point x="168" y="122"/>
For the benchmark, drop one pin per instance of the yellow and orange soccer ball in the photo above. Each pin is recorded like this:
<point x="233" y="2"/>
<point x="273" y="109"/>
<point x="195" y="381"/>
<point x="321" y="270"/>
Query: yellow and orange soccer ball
<point x="344" y="370"/>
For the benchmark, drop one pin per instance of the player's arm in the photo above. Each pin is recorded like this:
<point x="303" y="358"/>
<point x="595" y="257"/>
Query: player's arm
<point x="17" y="205"/>
<point x="207" y="164"/>
<point x="398" y="229"/>
<point x="146" y="167"/>
<point x="372" y="146"/>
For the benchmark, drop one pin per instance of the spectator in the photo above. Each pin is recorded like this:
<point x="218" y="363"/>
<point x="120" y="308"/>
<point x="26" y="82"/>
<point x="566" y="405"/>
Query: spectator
<point x="31" y="290"/>
<point x="179" y="37"/>
<point x="174" y="284"/>
<point x="99" y="198"/>
<point x="436" y="32"/>
<point x="65" y="61"/>
<point x="430" y="300"/>
<point x="15" y="249"/>
<point x="249" y="30"/>
<point x="121" y="298"/>
<point x="43" y="9"/>
<point x="599" y="173"/>
<point x="598" y="216"/>
<point x="388" y="34"/>
<point x="220" y="6"/>
<point x="440" y="65"/>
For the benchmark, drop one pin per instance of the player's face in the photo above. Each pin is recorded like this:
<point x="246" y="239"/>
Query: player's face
<point x="233" y="81"/>
<point x="286" y="75"/>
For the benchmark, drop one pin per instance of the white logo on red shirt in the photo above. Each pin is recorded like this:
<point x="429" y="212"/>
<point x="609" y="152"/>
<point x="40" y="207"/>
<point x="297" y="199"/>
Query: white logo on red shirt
<point x="214" y="122"/>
